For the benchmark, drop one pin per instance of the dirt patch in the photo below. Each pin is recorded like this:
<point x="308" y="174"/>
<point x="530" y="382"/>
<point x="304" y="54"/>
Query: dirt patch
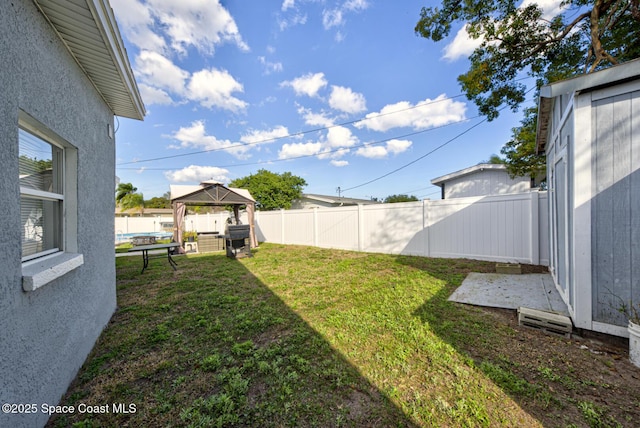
<point x="533" y="269"/>
<point x="590" y="372"/>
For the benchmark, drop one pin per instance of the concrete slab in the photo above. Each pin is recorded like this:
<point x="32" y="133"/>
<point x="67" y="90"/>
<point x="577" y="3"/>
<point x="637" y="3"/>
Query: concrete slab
<point x="536" y="291"/>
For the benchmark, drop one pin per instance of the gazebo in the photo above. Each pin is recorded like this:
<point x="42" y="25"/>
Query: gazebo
<point x="209" y="193"/>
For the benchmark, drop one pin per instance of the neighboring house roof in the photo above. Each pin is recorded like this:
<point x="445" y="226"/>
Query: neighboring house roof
<point x="89" y="30"/>
<point x="335" y="200"/>
<point x="480" y="167"/>
<point x="600" y="79"/>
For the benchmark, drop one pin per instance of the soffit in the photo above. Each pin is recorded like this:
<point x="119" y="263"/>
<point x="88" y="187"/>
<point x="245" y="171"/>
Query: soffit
<point x="89" y="30"/>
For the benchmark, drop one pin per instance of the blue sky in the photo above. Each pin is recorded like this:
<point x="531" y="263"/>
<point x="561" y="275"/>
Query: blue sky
<point x="340" y="93"/>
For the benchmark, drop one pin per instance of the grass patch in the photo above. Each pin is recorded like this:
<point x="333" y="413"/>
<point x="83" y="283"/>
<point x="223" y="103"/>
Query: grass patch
<point x="301" y="336"/>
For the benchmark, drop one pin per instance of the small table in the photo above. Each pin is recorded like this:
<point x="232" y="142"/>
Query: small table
<point x="145" y="253"/>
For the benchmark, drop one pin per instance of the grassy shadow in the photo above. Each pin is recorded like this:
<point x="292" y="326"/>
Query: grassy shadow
<point x="558" y="381"/>
<point x="211" y="345"/>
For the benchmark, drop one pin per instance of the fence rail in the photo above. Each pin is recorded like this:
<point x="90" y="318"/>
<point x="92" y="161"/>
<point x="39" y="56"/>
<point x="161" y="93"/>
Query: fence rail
<point x="503" y="228"/>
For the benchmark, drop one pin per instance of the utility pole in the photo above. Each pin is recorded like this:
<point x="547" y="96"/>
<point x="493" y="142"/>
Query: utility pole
<point x="339" y="191"/>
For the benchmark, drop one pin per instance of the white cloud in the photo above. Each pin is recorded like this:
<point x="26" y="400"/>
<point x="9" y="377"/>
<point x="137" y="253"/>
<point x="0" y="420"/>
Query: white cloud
<point x="425" y="114"/>
<point x="398" y="146"/>
<point x="332" y="18"/>
<point x="336" y="17"/>
<point x="339" y="163"/>
<point x="287" y="4"/>
<point x="550" y="8"/>
<point x="195" y="136"/>
<point x="356" y="5"/>
<point x="380" y="152"/>
<point x="158" y="71"/>
<point x="296" y="19"/>
<point x="315" y="119"/>
<point x="160" y="78"/>
<point x="328" y="153"/>
<point x="152" y="95"/>
<point x="258" y="137"/>
<point x="202" y="24"/>
<point x="372" y="152"/>
<point x="214" y="88"/>
<point x="463" y="45"/>
<point x="196" y="173"/>
<point x="270" y="67"/>
<point x="163" y="25"/>
<point x="309" y="84"/>
<point x="136" y="20"/>
<point x="339" y="136"/>
<point x="288" y="151"/>
<point x="344" y="99"/>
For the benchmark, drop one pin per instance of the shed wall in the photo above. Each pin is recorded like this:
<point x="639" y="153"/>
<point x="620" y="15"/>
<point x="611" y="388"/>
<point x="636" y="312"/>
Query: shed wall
<point x="45" y="335"/>
<point x="615" y="208"/>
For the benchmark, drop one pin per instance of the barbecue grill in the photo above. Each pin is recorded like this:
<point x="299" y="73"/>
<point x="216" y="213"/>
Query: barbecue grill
<point x="237" y="240"/>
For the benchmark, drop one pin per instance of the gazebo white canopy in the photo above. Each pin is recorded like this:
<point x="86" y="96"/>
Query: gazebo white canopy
<point x="210" y="193"/>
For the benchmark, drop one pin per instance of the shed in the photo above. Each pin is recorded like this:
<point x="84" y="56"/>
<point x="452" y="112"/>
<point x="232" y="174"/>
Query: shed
<point x="64" y="75"/>
<point x="210" y="193"/>
<point x="484" y="179"/>
<point x="589" y="128"/>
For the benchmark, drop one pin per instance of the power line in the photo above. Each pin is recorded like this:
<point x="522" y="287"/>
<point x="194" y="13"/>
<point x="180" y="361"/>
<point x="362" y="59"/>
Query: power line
<point x="420" y="158"/>
<point x="326" y="152"/>
<point x="268" y="140"/>
<point x="426" y="154"/>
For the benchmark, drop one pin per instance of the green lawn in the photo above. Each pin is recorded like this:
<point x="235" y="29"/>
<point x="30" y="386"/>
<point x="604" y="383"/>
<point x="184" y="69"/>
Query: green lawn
<point x="301" y="336"/>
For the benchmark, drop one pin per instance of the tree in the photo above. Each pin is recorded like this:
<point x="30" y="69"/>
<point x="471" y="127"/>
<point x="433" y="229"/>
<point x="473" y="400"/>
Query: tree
<point x="127" y="198"/>
<point x="391" y="199"/>
<point x="522" y="158"/>
<point x="495" y="160"/>
<point x="271" y="191"/>
<point x="157" y="202"/>
<point x="585" y="36"/>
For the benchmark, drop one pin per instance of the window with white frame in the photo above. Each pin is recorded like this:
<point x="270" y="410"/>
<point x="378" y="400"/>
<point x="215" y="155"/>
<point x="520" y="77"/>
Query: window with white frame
<point x="41" y="166"/>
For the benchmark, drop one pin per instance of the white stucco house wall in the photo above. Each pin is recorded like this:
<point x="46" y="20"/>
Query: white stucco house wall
<point x="61" y="85"/>
<point x="589" y="128"/>
<point x="484" y="179"/>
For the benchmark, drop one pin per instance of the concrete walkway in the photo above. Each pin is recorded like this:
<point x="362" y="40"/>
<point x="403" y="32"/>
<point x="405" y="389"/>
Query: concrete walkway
<point x="535" y="291"/>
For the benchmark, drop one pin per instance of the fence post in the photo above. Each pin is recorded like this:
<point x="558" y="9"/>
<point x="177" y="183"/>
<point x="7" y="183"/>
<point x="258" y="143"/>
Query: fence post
<point x="535" y="228"/>
<point x="282" y="225"/>
<point x="426" y="227"/>
<point x="360" y="227"/>
<point x="315" y="226"/>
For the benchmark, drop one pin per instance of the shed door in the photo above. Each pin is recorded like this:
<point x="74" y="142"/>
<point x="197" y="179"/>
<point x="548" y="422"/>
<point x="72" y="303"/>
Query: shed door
<point x="560" y="225"/>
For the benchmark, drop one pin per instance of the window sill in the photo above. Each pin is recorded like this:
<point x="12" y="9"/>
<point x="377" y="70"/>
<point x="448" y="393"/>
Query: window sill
<point x="39" y="272"/>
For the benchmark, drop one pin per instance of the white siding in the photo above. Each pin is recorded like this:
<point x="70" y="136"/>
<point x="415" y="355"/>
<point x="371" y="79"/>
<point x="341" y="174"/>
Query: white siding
<point x="484" y="183"/>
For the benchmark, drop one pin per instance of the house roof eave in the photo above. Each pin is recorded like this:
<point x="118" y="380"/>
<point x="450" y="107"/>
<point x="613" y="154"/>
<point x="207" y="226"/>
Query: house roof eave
<point x="94" y="41"/>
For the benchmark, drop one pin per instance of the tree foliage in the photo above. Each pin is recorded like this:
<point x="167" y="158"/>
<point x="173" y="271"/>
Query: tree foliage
<point x="127" y="198"/>
<point x="391" y="199"/>
<point x="271" y="190"/>
<point x="520" y="151"/>
<point x="158" y="202"/>
<point x="585" y="36"/>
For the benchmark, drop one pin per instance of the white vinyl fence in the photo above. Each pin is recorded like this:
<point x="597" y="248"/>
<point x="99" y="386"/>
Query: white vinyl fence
<point x="199" y="222"/>
<point x="503" y="228"/>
